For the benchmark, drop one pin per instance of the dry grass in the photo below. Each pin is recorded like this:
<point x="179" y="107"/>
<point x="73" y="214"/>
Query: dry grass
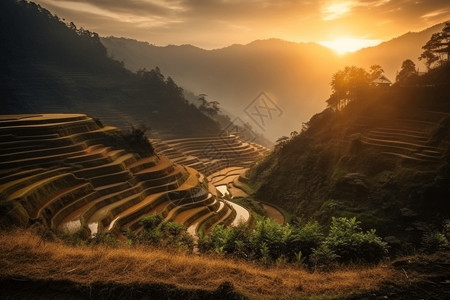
<point x="23" y="253"/>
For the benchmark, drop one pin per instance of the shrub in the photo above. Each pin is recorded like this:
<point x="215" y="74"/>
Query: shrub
<point x="270" y="242"/>
<point x="136" y="141"/>
<point x="304" y="239"/>
<point x="231" y="240"/>
<point x="273" y="235"/>
<point x="133" y="140"/>
<point x="151" y="222"/>
<point x="350" y="243"/>
<point x="158" y="232"/>
<point x="323" y="257"/>
<point x="433" y="241"/>
<point x="104" y="239"/>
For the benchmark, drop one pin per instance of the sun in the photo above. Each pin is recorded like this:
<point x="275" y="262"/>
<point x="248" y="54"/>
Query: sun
<point x="345" y="45"/>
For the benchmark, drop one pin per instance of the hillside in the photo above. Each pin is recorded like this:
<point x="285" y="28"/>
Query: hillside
<point x="237" y="74"/>
<point x="295" y="75"/>
<point x="77" y="177"/>
<point x="392" y="53"/>
<point x="49" y="66"/>
<point x="384" y="159"/>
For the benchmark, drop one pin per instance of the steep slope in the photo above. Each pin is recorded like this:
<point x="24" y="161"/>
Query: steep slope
<point x="49" y="66"/>
<point x="384" y="159"/>
<point x="295" y="75"/>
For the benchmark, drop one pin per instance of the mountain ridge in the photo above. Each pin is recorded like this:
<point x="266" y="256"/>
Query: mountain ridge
<point x="297" y="75"/>
<point x="51" y="66"/>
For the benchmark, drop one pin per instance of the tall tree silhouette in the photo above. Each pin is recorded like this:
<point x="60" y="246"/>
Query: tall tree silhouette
<point x="346" y="86"/>
<point x="407" y="73"/>
<point x="437" y="49"/>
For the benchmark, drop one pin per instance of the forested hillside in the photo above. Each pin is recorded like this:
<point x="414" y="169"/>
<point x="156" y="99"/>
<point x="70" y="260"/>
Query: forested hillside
<point x="51" y="66"/>
<point x="383" y="158"/>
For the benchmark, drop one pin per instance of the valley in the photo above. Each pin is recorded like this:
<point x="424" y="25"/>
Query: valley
<point x="266" y="170"/>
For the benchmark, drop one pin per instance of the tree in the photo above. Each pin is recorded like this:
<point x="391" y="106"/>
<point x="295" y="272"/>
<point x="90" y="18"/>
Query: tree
<point x="347" y="84"/>
<point x="407" y="73"/>
<point x="208" y="107"/>
<point x="437" y="49"/>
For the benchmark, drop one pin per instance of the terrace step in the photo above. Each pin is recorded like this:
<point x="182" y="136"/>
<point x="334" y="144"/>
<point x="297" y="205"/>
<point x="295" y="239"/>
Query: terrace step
<point x="62" y="199"/>
<point x="110" y="178"/>
<point x="31" y="197"/>
<point x="84" y="212"/>
<point x="12" y="189"/>
<point x="117" y="165"/>
<point x="224" y="216"/>
<point x="17" y="174"/>
<point x="42" y="152"/>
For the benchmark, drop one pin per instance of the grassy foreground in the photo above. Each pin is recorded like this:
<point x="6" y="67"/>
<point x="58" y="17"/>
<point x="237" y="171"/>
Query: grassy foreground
<point x="24" y="256"/>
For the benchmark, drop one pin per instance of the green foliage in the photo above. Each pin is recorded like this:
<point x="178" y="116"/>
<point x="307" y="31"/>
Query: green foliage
<point x="434" y="241"/>
<point x="151" y="222"/>
<point x="158" y="232"/>
<point x="105" y="239"/>
<point x="269" y="242"/>
<point x="350" y="243"/>
<point x="323" y="257"/>
<point x="303" y="239"/>
<point x="271" y="234"/>
<point x="232" y="240"/>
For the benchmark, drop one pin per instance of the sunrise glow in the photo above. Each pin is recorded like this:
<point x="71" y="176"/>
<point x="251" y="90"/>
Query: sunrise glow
<point x="345" y="45"/>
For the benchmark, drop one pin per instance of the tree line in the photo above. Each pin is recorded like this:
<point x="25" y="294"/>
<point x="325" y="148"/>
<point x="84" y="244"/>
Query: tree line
<point x="348" y="84"/>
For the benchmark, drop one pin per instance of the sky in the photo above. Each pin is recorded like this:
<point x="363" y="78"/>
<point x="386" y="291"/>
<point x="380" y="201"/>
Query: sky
<point x="213" y="24"/>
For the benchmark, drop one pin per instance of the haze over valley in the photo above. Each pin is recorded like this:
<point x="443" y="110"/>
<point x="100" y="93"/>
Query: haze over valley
<point x="296" y="76"/>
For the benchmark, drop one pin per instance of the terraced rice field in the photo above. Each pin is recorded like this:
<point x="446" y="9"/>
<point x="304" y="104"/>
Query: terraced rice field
<point x="211" y="154"/>
<point x="63" y="171"/>
<point x="409" y="139"/>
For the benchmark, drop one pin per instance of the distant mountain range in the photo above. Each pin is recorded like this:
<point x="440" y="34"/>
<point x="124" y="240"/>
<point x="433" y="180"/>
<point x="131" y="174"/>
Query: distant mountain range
<point x="294" y="76"/>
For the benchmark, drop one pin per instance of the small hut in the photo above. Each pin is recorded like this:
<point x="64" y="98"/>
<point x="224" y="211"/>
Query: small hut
<point x="381" y="81"/>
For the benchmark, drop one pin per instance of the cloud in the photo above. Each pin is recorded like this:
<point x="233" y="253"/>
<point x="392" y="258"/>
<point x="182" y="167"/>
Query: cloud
<point x="435" y="13"/>
<point x="336" y="10"/>
<point x="215" y="23"/>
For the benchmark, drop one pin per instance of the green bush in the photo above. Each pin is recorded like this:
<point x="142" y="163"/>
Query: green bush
<point x="269" y="242"/>
<point x="434" y="241"/>
<point x="350" y="243"/>
<point x="158" y="232"/>
<point x="273" y="235"/>
<point x="151" y="222"/>
<point x="304" y="239"/>
<point x="232" y="240"/>
<point x="323" y="258"/>
<point x="104" y="239"/>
